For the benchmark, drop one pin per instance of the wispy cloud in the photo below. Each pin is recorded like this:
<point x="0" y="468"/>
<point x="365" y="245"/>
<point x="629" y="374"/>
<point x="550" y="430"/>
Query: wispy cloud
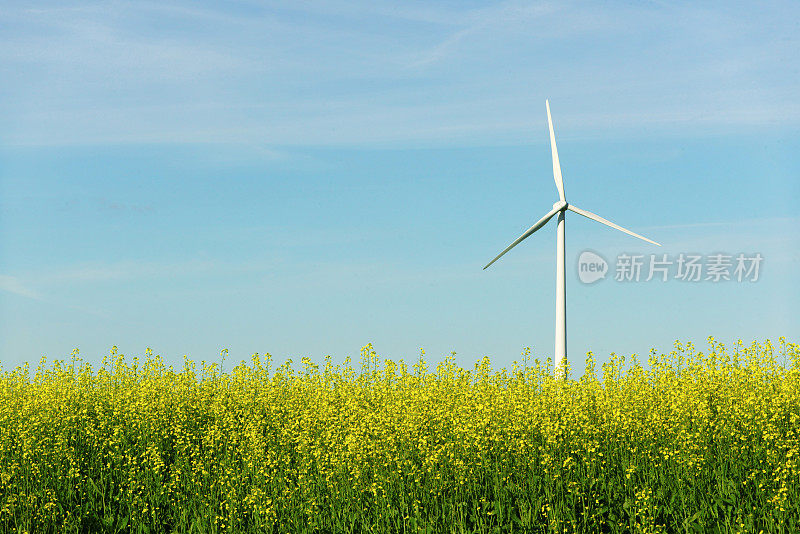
<point x="742" y="223"/>
<point x="12" y="284"/>
<point x="441" y="50"/>
<point x="123" y="207"/>
<point x="355" y="73"/>
<point x="133" y="270"/>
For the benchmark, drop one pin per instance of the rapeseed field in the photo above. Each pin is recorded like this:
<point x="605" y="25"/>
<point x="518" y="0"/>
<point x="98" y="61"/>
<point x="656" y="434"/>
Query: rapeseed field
<point x="690" y="441"/>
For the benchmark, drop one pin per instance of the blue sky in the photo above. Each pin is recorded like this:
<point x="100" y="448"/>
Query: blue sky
<point x="306" y="178"/>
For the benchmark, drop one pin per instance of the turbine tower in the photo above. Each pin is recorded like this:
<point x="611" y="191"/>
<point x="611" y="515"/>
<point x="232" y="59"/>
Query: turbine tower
<point x="561" y="208"/>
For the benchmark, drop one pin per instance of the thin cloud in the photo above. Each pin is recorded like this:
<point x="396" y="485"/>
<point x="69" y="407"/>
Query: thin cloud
<point x="442" y="50"/>
<point x="121" y="207"/>
<point x="490" y="20"/>
<point x="729" y="224"/>
<point x="12" y="284"/>
<point x="343" y="73"/>
<point x="132" y="270"/>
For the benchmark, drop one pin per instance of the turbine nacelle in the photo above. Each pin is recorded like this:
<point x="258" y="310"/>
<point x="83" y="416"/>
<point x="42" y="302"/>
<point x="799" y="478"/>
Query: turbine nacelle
<point x="561" y="205"/>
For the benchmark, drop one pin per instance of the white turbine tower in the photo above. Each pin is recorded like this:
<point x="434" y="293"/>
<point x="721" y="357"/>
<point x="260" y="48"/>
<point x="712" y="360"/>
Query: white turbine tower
<point x="561" y="208"/>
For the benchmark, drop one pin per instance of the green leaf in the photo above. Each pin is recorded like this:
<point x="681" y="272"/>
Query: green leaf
<point x="122" y="523"/>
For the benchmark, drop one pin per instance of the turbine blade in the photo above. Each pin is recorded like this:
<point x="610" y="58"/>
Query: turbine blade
<point x="541" y="222"/>
<point x="594" y="217"/>
<point x="556" y="165"/>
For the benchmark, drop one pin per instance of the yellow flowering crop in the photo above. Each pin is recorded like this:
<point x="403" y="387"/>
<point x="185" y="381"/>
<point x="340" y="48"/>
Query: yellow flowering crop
<point x="689" y="442"/>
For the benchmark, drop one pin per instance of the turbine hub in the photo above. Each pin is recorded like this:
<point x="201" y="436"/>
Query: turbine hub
<point x="561" y="205"/>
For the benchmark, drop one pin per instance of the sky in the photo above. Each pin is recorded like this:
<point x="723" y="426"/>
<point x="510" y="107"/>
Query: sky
<point x="305" y="178"/>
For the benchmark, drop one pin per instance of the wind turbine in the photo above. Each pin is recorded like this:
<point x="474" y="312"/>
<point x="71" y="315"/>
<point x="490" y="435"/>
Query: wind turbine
<point x="561" y="208"/>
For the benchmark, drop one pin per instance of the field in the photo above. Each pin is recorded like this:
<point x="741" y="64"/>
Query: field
<point x="690" y="441"/>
